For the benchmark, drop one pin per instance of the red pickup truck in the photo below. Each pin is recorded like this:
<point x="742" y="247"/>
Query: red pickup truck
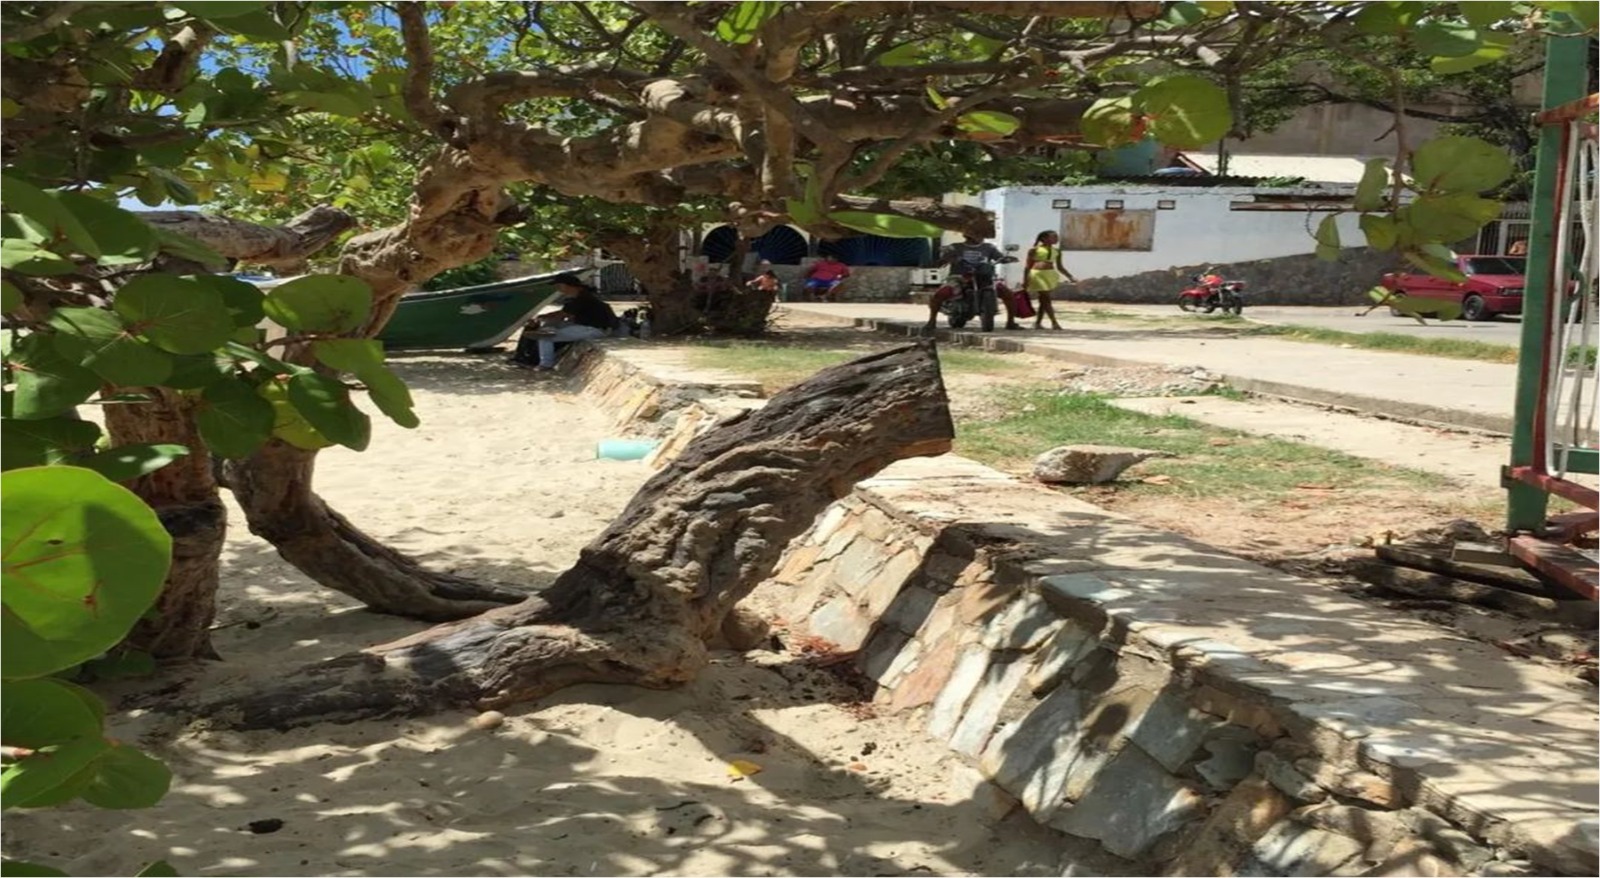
<point x="1493" y="286"/>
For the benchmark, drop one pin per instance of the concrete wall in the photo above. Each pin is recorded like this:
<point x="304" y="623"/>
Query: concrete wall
<point x="1200" y="228"/>
<point x="1287" y="280"/>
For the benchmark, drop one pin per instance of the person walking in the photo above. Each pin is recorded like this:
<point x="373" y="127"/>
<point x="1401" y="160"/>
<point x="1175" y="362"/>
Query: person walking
<point x="1043" y="273"/>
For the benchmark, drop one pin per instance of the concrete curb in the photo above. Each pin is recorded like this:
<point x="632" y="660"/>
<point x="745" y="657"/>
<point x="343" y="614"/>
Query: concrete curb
<point x="1411" y="413"/>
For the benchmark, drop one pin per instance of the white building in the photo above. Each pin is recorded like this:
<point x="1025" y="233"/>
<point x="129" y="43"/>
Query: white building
<point x="1122" y="229"/>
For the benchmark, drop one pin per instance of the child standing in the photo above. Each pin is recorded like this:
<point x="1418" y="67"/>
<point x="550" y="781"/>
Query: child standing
<point x="1043" y="274"/>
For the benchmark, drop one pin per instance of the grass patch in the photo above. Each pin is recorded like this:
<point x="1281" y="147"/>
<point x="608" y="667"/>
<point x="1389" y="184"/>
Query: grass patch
<point x="1186" y="321"/>
<point x="1208" y="462"/>
<point x="1449" y="348"/>
<point x="778" y="366"/>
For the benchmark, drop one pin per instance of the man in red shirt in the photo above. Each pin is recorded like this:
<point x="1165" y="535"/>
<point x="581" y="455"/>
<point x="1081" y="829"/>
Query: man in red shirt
<point x="823" y="278"/>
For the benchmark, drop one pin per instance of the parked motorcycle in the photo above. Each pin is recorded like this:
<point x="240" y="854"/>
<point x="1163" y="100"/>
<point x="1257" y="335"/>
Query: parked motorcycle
<point x="1211" y="292"/>
<point x="971" y="300"/>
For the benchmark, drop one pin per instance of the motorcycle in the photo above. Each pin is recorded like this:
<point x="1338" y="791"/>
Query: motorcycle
<point x="972" y="301"/>
<point x="1210" y="293"/>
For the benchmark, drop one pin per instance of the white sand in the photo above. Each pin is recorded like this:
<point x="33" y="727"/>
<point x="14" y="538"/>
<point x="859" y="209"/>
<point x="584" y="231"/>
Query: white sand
<point x="501" y="482"/>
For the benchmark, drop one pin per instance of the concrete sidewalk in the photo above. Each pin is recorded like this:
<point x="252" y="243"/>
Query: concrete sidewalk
<point x="1457" y="393"/>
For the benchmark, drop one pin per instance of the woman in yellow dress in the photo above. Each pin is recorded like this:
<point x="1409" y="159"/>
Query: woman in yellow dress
<point x="1043" y="273"/>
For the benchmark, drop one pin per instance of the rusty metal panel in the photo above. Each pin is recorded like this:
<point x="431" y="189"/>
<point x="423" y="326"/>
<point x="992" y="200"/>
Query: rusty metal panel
<point x="1108" y="229"/>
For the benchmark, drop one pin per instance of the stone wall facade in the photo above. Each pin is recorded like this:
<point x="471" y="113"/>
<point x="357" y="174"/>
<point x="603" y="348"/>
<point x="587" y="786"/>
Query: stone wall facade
<point x="1096" y="732"/>
<point x="1287" y="280"/>
<point x="867" y="283"/>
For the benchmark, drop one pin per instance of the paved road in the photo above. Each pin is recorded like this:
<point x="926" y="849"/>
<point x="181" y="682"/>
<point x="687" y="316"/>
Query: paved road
<point x="1503" y="330"/>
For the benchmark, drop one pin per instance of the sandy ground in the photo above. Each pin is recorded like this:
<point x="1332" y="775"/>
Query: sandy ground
<point x="501" y="482"/>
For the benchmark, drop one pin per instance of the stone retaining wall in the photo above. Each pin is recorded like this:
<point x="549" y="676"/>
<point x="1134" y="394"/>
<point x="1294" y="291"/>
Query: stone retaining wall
<point x="1288" y="280"/>
<point x="1087" y="669"/>
<point x="1098" y="731"/>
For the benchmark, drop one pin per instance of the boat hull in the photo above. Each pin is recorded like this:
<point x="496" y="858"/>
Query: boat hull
<point x="468" y="317"/>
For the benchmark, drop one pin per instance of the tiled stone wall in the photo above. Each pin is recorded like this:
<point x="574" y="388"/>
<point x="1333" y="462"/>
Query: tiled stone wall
<point x="1095" y="734"/>
<point x="867" y="283"/>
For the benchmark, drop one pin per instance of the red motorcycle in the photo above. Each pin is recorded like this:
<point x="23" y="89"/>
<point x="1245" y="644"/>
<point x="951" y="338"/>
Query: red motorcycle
<point x="1212" y="292"/>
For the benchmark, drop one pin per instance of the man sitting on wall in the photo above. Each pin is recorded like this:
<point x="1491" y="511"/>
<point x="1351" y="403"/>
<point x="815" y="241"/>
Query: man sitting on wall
<point x="823" y="279"/>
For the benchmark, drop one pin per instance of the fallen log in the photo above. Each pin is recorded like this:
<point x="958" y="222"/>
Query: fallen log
<point x="1434" y="587"/>
<point x="648" y="594"/>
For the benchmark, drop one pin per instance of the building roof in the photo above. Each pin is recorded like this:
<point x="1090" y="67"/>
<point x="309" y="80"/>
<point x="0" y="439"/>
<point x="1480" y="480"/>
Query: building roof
<point x="1312" y="168"/>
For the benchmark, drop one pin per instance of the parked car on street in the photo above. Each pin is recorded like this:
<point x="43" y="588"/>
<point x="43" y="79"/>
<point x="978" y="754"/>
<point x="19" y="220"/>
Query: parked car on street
<point x="1493" y="285"/>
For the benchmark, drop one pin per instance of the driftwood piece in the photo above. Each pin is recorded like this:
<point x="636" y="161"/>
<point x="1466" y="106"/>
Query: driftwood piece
<point x="1432" y="586"/>
<point x="649" y="593"/>
<point x="1500" y="577"/>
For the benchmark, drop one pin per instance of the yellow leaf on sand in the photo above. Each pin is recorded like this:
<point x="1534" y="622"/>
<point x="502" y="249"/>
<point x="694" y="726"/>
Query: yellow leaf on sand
<point x="742" y="768"/>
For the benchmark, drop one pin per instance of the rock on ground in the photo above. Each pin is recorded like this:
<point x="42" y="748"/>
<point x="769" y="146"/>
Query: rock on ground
<point x="1087" y="464"/>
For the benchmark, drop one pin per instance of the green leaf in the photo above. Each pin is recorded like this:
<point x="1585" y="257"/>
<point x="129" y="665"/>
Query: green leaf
<point x="158" y="869"/>
<point x="1459" y="164"/>
<point x="44" y="442"/>
<point x="82" y="559"/>
<point x="44" y="711"/>
<point x="1184" y="14"/>
<point x="288" y="424"/>
<point x="245" y="302"/>
<point x="1185" y="111"/>
<point x="184" y="315"/>
<point x="122" y="237"/>
<point x="1492" y="47"/>
<point x="1110" y="122"/>
<point x="32" y="780"/>
<point x="121" y="665"/>
<point x="260" y="25"/>
<point x="740" y="24"/>
<point x="1385" y="19"/>
<point x="320" y="303"/>
<point x="197" y="371"/>
<point x="939" y="100"/>
<point x="354" y="355"/>
<point x="20" y="869"/>
<point x="391" y="396"/>
<point x="48" y="384"/>
<point x="988" y="122"/>
<point x="10" y="297"/>
<point x="26" y="257"/>
<point x="234" y="419"/>
<point x="49" y="212"/>
<point x="1435" y="259"/>
<point x="125" y="778"/>
<point x="266" y="361"/>
<point x="1450" y="218"/>
<point x="96" y="340"/>
<point x="185" y="247"/>
<point x="1374" y="183"/>
<point x="324" y="102"/>
<point x="1328" y="238"/>
<point x="327" y="406"/>
<point x="127" y="462"/>
<point x="1380" y="231"/>
<point x="1444" y="38"/>
<point x="221" y="11"/>
<point x="904" y="55"/>
<point x="1482" y="13"/>
<point x="886" y="224"/>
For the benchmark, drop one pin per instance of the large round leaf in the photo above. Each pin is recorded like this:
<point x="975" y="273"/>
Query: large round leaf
<point x="44" y="442"/>
<point x="36" y="780"/>
<point x="81" y="559"/>
<point x="47" y="209"/>
<point x="1185" y="111"/>
<point x="122" y="237"/>
<point x="126" y="778"/>
<point x="1450" y="218"/>
<point x="1459" y="164"/>
<point x="887" y="225"/>
<point x="96" y="340"/>
<point x="391" y="396"/>
<point x="184" y="315"/>
<point x="38" y="713"/>
<point x="234" y="419"/>
<point x="243" y="301"/>
<point x="127" y="462"/>
<point x="288" y="424"/>
<point x="1111" y="122"/>
<point x="26" y="257"/>
<point x="327" y="406"/>
<point x="48" y="384"/>
<point x="320" y="303"/>
<point x="354" y="355"/>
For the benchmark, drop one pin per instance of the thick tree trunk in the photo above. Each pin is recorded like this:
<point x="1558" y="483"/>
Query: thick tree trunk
<point x="650" y="592"/>
<point x="274" y="489"/>
<point x="184" y="495"/>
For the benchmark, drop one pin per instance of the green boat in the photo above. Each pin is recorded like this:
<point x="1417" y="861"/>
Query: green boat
<point x="467" y="317"/>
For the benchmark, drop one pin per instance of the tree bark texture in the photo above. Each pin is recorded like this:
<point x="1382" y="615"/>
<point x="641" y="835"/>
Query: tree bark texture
<point x="283" y="248"/>
<point x="648" y="594"/>
<point x="274" y="489"/>
<point x="184" y="496"/>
